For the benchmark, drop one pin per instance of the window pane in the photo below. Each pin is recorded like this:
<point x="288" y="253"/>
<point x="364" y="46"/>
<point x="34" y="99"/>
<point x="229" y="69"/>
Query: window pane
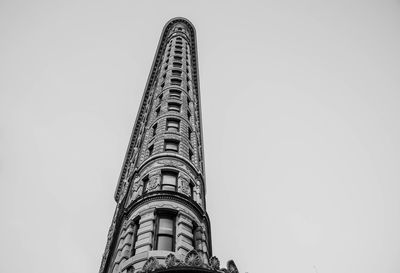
<point x="174" y="107"/>
<point x="166" y="226"/>
<point x="164" y="243"/>
<point x="171" y="146"/>
<point x="176" y="81"/>
<point x="168" y="188"/>
<point x="175" y="94"/>
<point x="173" y="125"/>
<point x="169" y="179"/>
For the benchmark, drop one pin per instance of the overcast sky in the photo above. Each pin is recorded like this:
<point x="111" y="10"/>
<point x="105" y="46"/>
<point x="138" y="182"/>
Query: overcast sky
<point x="301" y="109"/>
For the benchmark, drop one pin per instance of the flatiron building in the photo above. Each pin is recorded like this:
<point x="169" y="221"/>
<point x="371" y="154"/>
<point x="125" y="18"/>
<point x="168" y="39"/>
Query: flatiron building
<point x="161" y="222"/>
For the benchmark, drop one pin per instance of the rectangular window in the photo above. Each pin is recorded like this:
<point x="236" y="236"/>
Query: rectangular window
<point x="190" y="155"/>
<point x="177" y="58"/>
<point x="191" y="189"/>
<point x="151" y="150"/>
<point x="158" y="111"/>
<point x="176" y="81"/>
<point x="169" y="180"/>
<point x="165" y="232"/>
<point x="135" y="228"/>
<point x="189" y="115"/>
<point x="174" y="107"/>
<point x="174" y="94"/>
<point x="176" y="73"/>
<point x="145" y="181"/>
<point x="178" y="52"/>
<point x="177" y="65"/>
<point x="194" y="232"/>
<point x="189" y="133"/>
<point x="173" y="125"/>
<point x="154" y="129"/>
<point x="171" y="145"/>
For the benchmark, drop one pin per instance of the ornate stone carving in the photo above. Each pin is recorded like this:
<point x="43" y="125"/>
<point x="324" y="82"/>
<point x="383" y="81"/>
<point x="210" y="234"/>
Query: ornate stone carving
<point x="136" y="183"/>
<point x="124" y="190"/>
<point x="231" y="266"/>
<point x="214" y="263"/>
<point x="170" y="260"/>
<point x="153" y="183"/>
<point x="151" y="265"/>
<point x="193" y="259"/>
<point x="129" y="171"/>
<point x="184" y="185"/>
<point x="134" y="155"/>
<point x="173" y="163"/>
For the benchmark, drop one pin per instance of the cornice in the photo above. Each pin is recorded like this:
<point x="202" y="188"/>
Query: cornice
<point x="165" y="195"/>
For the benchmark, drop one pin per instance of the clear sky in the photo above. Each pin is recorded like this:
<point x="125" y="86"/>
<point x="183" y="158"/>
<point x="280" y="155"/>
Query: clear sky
<point x="301" y="108"/>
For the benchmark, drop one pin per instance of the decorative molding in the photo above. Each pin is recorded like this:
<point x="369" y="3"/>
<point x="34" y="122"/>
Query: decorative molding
<point x="214" y="263"/>
<point x="192" y="260"/>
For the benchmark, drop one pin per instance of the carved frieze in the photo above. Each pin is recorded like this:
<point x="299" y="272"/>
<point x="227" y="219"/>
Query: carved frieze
<point x="192" y="259"/>
<point x="154" y="183"/>
<point x="184" y="185"/>
<point x="214" y="263"/>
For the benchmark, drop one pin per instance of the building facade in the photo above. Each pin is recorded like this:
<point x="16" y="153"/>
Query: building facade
<point x="160" y="222"/>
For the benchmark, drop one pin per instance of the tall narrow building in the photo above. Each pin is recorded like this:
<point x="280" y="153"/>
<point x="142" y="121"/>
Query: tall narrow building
<point x="160" y="222"/>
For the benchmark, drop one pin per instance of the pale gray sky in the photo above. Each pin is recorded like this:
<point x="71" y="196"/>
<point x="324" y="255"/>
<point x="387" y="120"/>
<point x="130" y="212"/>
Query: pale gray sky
<point x="301" y="108"/>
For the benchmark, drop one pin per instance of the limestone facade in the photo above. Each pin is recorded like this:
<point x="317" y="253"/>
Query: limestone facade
<point x="161" y="206"/>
